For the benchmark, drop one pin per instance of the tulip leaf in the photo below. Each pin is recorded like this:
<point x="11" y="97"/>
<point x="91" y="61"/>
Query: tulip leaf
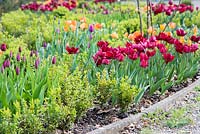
<point x="156" y="86"/>
<point x="140" y="94"/>
<point x="165" y="87"/>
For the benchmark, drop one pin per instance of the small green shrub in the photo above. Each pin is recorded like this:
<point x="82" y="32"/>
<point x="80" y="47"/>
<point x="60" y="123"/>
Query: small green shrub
<point x="77" y="90"/>
<point x="105" y="87"/>
<point x="124" y="95"/>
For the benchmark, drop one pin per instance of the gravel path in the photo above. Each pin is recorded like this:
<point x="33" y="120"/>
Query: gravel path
<point x="187" y="109"/>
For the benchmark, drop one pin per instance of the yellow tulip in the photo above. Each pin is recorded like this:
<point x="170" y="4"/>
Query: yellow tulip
<point x="162" y="27"/>
<point x="182" y="40"/>
<point x="195" y="30"/>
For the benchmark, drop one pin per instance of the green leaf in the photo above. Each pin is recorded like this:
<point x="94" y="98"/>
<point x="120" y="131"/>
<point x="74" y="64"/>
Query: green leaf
<point x="156" y="86"/>
<point x="165" y="87"/>
<point x="140" y="94"/>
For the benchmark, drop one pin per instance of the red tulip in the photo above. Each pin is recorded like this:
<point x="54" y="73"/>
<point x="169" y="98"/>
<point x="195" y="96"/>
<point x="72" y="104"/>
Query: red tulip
<point x="181" y="32"/>
<point x="168" y="57"/>
<point x="144" y="63"/>
<point x="72" y="50"/>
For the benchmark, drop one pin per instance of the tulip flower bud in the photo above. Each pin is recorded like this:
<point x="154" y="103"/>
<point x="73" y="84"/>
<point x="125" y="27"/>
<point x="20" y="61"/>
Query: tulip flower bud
<point x="37" y="62"/>
<point x="11" y="54"/>
<point x="20" y="49"/>
<point x="31" y="53"/>
<point x="44" y="44"/>
<point x="54" y="60"/>
<point x="3" y="47"/>
<point x="17" y="70"/>
<point x="18" y="57"/>
<point x="91" y="28"/>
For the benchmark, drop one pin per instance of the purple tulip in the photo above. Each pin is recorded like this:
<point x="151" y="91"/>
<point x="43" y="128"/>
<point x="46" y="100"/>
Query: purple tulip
<point x="37" y="62"/>
<point x="54" y="60"/>
<point x="18" y="57"/>
<point x="6" y="63"/>
<point x="11" y="54"/>
<point x="20" y="49"/>
<point x="44" y="44"/>
<point x="91" y="28"/>
<point x="17" y="70"/>
<point x="3" y="47"/>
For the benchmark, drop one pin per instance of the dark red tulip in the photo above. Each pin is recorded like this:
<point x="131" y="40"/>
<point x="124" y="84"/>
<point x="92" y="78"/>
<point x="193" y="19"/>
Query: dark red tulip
<point x="54" y="60"/>
<point x="72" y="50"/>
<point x="168" y="57"/>
<point x="3" y="47"/>
<point x="181" y="32"/>
<point x="144" y="63"/>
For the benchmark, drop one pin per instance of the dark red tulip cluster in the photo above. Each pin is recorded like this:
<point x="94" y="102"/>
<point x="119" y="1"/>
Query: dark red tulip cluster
<point x="180" y="47"/>
<point x="72" y="50"/>
<point x="110" y="1"/>
<point x="53" y="4"/>
<point x="143" y="50"/>
<point x="170" y="8"/>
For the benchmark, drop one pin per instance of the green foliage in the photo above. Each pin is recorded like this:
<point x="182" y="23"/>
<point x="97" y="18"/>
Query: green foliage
<point x="124" y="95"/>
<point x="27" y="25"/>
<point x="178" y="118"/>
<point x="105" y="87"/>
<point x="187" y="2"/>
<point x="130" y="26"/>
<point x="77" y="90"/>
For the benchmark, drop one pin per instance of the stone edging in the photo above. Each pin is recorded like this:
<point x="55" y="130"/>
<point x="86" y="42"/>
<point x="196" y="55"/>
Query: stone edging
<point x="115" y="127"/>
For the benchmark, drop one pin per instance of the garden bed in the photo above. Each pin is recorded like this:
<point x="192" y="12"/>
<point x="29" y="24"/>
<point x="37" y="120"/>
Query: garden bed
<point x="77" y="66"/>
<point x="96" y="118"/>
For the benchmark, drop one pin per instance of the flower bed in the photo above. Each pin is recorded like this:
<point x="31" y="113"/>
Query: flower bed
<point x="58" y="64"/>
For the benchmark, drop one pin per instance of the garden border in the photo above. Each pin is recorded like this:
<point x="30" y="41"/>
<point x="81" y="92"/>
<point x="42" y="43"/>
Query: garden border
<point x="115" y="127"/>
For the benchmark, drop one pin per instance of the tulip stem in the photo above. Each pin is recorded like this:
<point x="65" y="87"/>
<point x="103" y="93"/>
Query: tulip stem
<point x="140" y="16"/>
<point x="148" y="17"/>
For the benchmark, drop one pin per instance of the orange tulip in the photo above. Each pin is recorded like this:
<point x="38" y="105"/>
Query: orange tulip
<point x="97" y="26"/>
<point x="66" y="28"/>
<point x="151" y="30"/>
<point x="134" y="35"/>
<point x="168" y="33"/>
<point x="172" y="25"/>
<point x="84" y="26"/>
<point x="83" y="20"/>
<point x="126" y="34"/>
<point x="73" y="28"/>
<point x="114" y="35"/>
